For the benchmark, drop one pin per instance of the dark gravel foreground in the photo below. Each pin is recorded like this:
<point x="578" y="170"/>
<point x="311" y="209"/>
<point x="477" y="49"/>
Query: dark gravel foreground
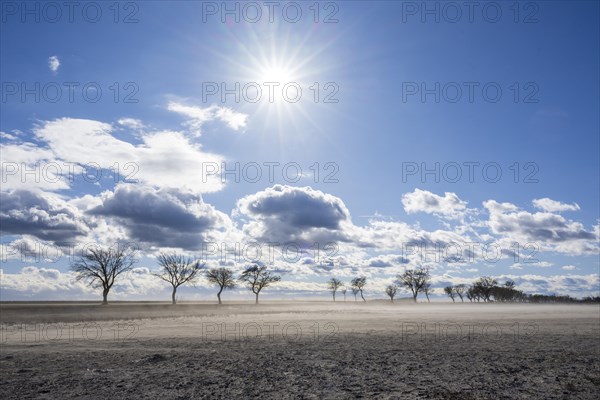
<point x="359" y="365"/>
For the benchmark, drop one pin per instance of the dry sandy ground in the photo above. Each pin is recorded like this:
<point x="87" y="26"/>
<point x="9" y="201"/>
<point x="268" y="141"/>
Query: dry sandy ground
<point x="300" y="350"/>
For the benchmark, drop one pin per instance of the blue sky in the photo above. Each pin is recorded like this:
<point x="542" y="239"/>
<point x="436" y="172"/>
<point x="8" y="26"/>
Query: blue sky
<point x="372" y="57"/>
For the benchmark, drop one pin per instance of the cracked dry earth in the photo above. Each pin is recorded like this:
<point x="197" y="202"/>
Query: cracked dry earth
<point x="560" y="361"/>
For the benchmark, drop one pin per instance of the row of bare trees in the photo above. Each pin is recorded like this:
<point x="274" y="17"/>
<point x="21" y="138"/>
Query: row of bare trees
<point x="486" y="289"/>
<point x="415" y="280"/>
<point x="357" y="285"/>
<point x="419" y="281"/>
<point x="100" y="268"/>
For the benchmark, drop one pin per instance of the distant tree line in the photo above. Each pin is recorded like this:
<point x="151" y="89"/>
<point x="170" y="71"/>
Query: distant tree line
<point x="487" y="289"/>
<point x="100" y="268"/>
<point x="553" y="298"/>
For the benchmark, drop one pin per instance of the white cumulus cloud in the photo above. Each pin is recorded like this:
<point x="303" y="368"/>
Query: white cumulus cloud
<point x="550" y="205"/>
<point x="198" y="116"/>
<point x="53" y="63"/>
<point x="449" y="205"/>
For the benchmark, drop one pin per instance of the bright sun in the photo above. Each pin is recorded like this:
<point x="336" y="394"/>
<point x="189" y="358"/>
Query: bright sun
<point x="281" y="75"/>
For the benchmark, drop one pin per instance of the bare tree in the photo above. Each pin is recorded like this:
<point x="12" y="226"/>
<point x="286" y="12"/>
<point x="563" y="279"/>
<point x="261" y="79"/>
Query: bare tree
<point x="343" y="291"/>
<point x="100" y="267"/>
<point x="460" y="290"/>
<point x="391" y="291"/>
<point x="334" y="284"/>
<point x="257" y="278"/>
<point x="354" y="292"/>
<point x="427" y="290"/>
<point x="222" y="277"/>
<point x="483" y="287"/>
<point x="471" y="294"/>
<point x="506" y="292"/>
<point x="449" y="290"/>
<point x="178" y="270"/>
<point x="359" y="283"/>
<point x="414" y="280"/>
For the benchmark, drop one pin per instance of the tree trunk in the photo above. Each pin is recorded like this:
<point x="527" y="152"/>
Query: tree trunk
<point x="427" y="295"/>
<point x="415" y="297"/>
<point x="105" y="296"/>
<point x="256" y="299"/>
<point x="219" y="295"/>
<point x="361" y="295"/>
<point x="392" y="299"/>
<point x="333" y="296"/>
<point x="173" y="295"/>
